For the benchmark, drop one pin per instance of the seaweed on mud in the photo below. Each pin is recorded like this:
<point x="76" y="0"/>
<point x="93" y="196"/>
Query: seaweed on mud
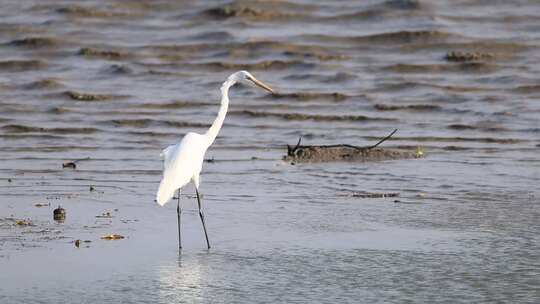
<point x="458" y="56"/>
<point x="22" y="65"/>
<point x="35" y="42"/>
<point x="48" y="83"/>
<point x="103" y="54"/>
<point x="90" y="97"/>
<point x="314" y="117"/>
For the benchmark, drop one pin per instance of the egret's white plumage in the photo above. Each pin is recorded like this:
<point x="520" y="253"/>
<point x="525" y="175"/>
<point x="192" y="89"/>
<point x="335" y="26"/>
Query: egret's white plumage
<point x="182" y="162"/>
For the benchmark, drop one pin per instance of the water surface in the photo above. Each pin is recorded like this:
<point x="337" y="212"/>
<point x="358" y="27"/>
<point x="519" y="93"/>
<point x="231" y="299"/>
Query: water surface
<point x="119" y="81"/>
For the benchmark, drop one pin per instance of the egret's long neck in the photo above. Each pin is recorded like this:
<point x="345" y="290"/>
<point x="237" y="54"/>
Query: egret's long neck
<point x="218" y="122"/>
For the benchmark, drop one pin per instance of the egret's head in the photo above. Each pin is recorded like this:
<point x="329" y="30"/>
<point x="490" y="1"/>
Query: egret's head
<point x="245" y="77"/>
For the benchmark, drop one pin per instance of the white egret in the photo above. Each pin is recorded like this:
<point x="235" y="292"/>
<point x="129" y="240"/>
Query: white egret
<point x="183" y="161"/>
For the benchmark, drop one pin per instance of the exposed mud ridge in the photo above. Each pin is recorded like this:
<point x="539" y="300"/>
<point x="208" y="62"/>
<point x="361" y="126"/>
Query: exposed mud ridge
<point x="416" y="39"/>
<point x="317" y="55"/>
<point x="344" y="152"/>
<point x="21" y="65"/>
<point x="144" y="123"/>
<point x="30" y="129"/>
<point x="229" y="11"/>
<point x="336" y="78"/>
<point x="294" y="50"/>
<point x="48" y="83"/>
<point x="35" y="42"/>
<point x="404" y="4"/>
<point x="486" y="128"/>
<point x="175" y="105"/>
<point x="500" y="49"/>
<point x="286" y="48"/>
<point x="103" y="54"/>
<point x="81" y="11"/>
<point x="249" y="49"/>
<point x="527" y="89"/>
<point x="410" y="85"/>
<point x="470" y="67"/>
<point x="457" y="56"/>
<point x="118" y="70"/>
<point x="490" y="140"/>
<point x="304" y="96"/>
<point x="384" y="10"/>
<point x="414" y="107"/>
<point x="406" y="37"/>
<point x="90" y="97"/>
<point x="302" y="116"/>
<point x="262" y="65"/>
<point x="260" y="10"/>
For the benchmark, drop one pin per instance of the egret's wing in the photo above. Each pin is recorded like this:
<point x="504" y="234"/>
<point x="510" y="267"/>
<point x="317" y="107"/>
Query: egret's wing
<point x="166" y="154"/>
<point x="181" y="162"/>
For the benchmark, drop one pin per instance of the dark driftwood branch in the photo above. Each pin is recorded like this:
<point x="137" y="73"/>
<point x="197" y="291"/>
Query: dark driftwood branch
<point x="383" y="140"/>
<point x="291" y="150"/>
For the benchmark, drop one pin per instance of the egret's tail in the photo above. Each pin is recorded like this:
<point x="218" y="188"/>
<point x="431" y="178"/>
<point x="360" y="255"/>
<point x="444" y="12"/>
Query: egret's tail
<point x="165" y="193"/>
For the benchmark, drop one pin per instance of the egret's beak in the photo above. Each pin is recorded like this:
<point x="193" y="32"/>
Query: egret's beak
<point x="261" y="84"/>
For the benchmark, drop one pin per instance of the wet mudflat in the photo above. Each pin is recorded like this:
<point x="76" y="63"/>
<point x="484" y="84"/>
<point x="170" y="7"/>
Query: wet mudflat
<point x="91" y="92"/>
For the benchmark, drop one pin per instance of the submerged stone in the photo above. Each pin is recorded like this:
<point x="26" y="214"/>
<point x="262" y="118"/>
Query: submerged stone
<point x="59" y="214"/>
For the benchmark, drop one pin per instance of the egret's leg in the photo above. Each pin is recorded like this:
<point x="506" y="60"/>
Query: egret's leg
<point x="179" y="213"/>
<point x="201" y="214"/>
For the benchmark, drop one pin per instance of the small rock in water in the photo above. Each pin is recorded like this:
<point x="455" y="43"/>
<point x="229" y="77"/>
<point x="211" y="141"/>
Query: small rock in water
<point x="69" y="165"/>
<point x="59" y="214"/>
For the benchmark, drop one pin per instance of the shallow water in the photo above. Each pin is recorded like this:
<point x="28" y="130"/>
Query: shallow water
<point x="118" y="81"/>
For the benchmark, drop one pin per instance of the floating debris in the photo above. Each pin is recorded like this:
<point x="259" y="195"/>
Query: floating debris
<point x="23" y="223"/>
<point x="59" y="214"/>
<point x="419" y="152"/>
<point x="407" y="202"/>
<point x="42" y="205"/>
<point x="112" y="237"/>
<point x="73" y="164"/>
<point x="92" y="188"/>
<point x="105" y="215"/>
<point x="9" y="180"/>
<point x="77" y="243"/>
<point x="374" y="195"/>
